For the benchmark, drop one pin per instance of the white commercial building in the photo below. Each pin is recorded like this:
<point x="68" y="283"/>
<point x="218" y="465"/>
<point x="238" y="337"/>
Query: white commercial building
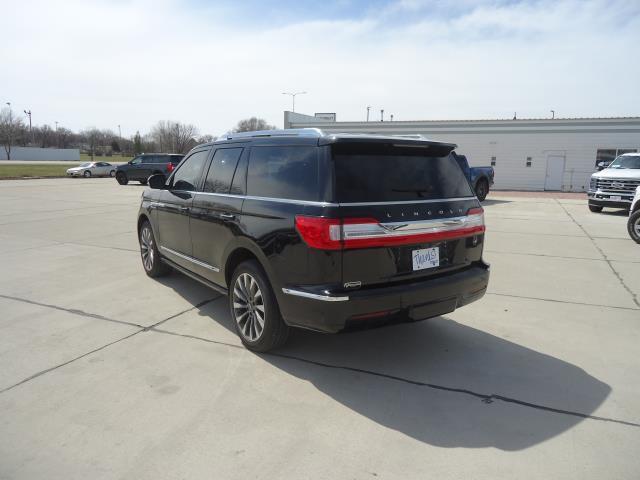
<point x="527" y="154"/>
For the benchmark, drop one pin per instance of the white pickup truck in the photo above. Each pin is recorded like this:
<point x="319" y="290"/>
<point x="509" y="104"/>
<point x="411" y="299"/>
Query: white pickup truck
<point x="615" y="185"/>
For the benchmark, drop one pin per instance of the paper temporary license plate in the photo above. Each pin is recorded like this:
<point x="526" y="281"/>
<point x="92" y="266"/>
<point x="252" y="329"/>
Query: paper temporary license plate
<point x="615" y="197"/>
<point x="426" y="258"/>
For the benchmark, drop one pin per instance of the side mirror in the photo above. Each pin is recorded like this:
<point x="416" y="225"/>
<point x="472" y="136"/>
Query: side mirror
<point x="157" y="181"/>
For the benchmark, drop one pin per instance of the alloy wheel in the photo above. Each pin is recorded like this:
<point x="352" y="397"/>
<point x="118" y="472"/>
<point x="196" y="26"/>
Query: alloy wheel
<point x="146" y="248"/>
<point x="248" y="307"/>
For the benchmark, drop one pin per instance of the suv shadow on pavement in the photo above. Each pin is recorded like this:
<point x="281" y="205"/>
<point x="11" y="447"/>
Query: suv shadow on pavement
<point x="382" y="375"/>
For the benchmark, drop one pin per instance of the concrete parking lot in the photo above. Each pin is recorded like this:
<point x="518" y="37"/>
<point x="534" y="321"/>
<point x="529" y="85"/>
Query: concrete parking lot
<point x="106" y="373"/>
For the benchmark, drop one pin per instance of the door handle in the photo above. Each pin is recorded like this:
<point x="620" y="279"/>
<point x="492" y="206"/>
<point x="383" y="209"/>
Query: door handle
<point x="227" y="216"/>
<point x="184" y="209"/>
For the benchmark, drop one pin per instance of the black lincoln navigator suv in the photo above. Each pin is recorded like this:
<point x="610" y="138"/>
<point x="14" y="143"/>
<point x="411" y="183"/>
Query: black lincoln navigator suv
<point x="321" y="231"/>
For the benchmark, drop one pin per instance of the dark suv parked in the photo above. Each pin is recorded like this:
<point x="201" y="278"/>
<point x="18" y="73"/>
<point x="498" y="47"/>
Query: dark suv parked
<point x="143" y="166"/>
<point x="325" y="232"/>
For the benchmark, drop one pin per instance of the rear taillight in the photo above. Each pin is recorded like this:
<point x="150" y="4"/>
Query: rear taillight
<point x="170" y="167"/>
<point x="336" y="234"/>
<point x="319" y="232"/>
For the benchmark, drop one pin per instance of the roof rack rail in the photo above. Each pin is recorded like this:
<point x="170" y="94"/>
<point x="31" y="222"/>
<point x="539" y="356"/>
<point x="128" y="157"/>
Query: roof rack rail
<point x="291" y="132"/>
<point x="417" y="136"/>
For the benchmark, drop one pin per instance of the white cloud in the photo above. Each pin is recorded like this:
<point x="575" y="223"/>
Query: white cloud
<point x="136" y="62"/>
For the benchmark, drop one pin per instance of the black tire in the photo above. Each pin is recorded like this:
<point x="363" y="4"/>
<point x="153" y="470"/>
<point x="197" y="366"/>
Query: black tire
<point x="121" y="178"/>
<point x="595" y="208"/>
<point x="86" y="174"/>
<point x="633" y="226"/>
<point x="112" y="173"/>
<point x="151" y="261"/>
<point x="274" y="331"/>
<point x="482" y="189"/>
<point x="143" y="182"/>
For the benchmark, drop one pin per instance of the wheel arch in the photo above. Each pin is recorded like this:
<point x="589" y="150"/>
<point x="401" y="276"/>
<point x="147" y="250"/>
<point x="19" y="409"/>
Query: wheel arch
<point x="245" y="250"/>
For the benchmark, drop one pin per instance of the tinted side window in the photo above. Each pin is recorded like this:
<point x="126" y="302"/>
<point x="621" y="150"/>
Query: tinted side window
<point x="221" y="170"/>
<point x="188" y="175"/>
<point x="283" y="172"/>
<point x="149" y="159"/>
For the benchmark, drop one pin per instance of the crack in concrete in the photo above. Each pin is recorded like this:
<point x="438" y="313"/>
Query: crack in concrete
<point x="562" y="301"/>
<point x="79" y="312"/>
<point x="550" y="256"/>
<point x="486" y="398"/>
<point x="634" y="297"/>
<point x="73" y="311"/>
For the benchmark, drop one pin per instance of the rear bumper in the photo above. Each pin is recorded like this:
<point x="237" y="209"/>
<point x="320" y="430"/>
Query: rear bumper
<point x="317" y="310"/>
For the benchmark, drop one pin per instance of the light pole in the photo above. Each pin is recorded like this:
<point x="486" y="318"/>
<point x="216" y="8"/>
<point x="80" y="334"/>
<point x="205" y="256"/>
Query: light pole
<point x="382" y="115"/>
<point x="553" y="114"/>
<point x="368" y="108"/>
<point x="28" y="114"/>
<point x="293" y="98"/>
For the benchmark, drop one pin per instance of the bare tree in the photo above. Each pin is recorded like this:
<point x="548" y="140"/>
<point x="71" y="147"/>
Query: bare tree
<point x="10" y="128"/>
<point x="45" y="136"/>
<point x="252" y="124"/>
<point x="64" y="137"/>
<point x="205" y="138"/>
<point x="185" y="137"/>
<point x="92" y="138"/>
<point x="173" y="137"/>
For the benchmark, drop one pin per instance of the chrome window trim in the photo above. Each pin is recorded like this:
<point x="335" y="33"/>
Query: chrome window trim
<point x="331" y="204"/>
<point x="270" y="199"/>
<point x="314" y="296"/>
<point x="190" y="259"/>
<point x="407" y="202"/>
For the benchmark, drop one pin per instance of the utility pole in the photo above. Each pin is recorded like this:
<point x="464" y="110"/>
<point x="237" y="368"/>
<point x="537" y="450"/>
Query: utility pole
<point x="368" y="108"/>
<point x="293" y="98"/>
<point x="28" y="114"/>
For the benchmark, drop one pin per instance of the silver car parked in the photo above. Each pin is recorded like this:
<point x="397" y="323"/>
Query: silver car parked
<point x="93" y="169"/>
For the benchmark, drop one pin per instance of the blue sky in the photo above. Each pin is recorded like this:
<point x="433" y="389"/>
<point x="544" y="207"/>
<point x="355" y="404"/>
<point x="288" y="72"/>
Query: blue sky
<point x="133" y="62"/>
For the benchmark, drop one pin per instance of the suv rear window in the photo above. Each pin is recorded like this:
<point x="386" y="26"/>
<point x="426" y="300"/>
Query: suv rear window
<point x="283" y="172"/>
<point x="384" y="173"/>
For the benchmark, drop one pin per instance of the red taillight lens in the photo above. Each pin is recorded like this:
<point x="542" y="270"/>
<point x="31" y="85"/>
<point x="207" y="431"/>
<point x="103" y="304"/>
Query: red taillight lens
<point x="170" y="167"/>
<point x="336" y="234"/>
<point x="318" y="232"/>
